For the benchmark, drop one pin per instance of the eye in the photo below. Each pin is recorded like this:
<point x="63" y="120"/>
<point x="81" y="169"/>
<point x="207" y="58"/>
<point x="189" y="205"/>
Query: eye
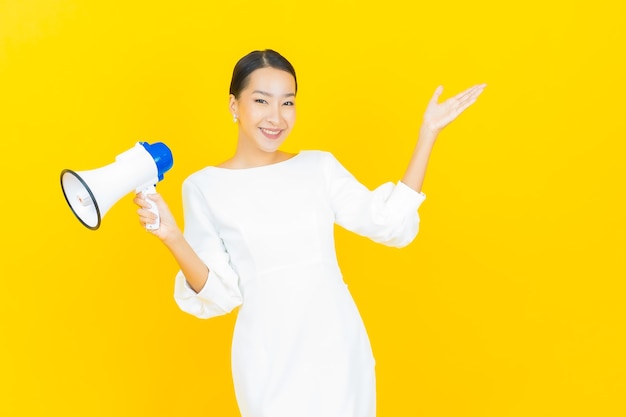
<point x="260" y="101"/>
<point x="289" y="103"/>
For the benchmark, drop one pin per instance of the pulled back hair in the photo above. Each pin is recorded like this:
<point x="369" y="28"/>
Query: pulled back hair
<point x="255" y="60"/>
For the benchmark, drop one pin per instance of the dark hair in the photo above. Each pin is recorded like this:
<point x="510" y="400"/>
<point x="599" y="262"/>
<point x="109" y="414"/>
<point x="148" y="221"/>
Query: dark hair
<point x="255" y="60"/>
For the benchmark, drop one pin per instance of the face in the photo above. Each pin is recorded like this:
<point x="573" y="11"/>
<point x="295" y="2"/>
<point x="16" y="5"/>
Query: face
<point x="265" y="109"/>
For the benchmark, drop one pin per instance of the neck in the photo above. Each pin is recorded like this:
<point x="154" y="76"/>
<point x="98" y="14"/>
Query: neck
<point x="244" y="160"/>
<point x="249" y="157"/>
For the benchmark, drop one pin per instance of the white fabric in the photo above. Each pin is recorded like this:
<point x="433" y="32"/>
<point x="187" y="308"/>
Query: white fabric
<point x="299" y="347"/>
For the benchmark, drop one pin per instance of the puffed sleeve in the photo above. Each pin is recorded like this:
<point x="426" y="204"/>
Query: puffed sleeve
<point x="221" y="293"/>
<point x="387" y="214"/>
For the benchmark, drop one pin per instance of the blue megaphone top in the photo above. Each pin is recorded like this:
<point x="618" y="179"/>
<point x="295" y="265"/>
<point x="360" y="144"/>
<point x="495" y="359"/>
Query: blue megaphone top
<point x="162" y="156"/>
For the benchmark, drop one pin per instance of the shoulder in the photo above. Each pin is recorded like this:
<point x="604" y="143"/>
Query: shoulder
<point x="318" y="156"/>
<point x="201" y="177"/>
<point x="323" y="164"/>
<point x="325" y="159"/>
<point x="201" y="174"/>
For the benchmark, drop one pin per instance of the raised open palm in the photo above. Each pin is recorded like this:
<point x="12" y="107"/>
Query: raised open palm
<point x="439" y="115"/>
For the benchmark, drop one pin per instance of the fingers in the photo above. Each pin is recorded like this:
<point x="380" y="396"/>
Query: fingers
<point x="140" y="199"/>
<point x="146" y="216"/>
<point x="461" y="100"/>
<point x="470" y="93"/>
<point x="144" y="212"/>
<point x="468" y="97"/>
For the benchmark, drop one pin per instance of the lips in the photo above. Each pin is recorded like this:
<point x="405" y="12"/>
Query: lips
<point x="271" y="133"/>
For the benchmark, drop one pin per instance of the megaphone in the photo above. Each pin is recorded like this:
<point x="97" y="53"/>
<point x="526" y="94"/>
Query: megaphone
<point x="90" y="194"/>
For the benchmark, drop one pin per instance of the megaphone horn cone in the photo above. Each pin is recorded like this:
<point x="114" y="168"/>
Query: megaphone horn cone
<point x="80" y="199"/>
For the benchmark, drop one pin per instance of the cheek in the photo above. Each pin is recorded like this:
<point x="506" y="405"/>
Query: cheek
<point x="252" y="116"/>
<point x="290" y="115"/>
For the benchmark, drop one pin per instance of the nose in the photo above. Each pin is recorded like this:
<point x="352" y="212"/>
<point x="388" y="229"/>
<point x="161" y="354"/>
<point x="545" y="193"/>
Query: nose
<point x="273" y="114"/>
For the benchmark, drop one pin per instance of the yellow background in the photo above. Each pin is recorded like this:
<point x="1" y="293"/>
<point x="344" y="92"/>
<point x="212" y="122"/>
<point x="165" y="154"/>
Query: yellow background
<point x="509" y="303"/>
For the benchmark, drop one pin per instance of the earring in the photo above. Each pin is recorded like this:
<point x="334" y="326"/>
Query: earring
<point x="234" y="118"/>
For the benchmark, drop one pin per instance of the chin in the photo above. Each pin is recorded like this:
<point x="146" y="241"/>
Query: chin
<point x="271" y="147"/>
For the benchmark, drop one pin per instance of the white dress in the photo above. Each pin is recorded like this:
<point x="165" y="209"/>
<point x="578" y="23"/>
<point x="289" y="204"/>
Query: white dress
<point x="299" y="348"/>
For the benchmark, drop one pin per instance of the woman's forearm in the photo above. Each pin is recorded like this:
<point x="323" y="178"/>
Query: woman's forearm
<point x="195" y="270"/>
<point x="416" y="171"/>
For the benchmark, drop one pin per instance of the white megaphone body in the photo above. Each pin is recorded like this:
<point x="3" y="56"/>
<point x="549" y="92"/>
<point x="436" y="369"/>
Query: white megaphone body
<point x="92" y="193"/>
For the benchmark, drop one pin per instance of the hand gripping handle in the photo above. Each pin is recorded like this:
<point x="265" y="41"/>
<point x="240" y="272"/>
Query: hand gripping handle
<point x="153" y="207"/>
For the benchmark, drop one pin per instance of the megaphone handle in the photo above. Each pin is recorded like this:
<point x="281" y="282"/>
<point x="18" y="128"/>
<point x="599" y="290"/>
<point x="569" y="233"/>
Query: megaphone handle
<point x="153" y="207"/>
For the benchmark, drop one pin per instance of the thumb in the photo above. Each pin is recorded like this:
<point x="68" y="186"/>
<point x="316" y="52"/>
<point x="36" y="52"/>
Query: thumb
<point x="436" y="94"/>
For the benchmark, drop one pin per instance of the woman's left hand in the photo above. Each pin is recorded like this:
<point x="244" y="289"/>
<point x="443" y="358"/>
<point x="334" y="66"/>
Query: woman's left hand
<point x="439" y="115"/>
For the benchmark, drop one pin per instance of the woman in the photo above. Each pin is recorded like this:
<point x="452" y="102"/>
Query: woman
<point x="259" y="236"/>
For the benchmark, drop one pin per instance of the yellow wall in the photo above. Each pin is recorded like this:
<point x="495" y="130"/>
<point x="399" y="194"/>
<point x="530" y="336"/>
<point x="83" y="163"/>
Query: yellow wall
<point x="509" y="303"/>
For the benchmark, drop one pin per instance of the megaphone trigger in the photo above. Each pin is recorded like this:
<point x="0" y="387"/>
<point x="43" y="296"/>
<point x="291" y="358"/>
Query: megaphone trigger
<point x="153" y="208"/>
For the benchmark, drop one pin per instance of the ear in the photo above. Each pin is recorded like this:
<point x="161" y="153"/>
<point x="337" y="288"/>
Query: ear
<point x="233" y="105"/>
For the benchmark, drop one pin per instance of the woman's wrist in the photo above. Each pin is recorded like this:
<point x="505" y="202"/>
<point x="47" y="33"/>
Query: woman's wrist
<point x="174" y="239"/>
<point x="428" y="132"/>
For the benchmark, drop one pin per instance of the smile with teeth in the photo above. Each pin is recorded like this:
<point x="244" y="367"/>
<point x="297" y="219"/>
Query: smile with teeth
<point x="271" y="133"/>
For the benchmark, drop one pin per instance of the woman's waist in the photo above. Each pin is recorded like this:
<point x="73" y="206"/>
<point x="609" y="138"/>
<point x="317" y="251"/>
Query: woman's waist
<point x="291" y="279"/>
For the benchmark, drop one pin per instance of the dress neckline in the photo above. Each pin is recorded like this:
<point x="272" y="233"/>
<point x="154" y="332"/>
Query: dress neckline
<point x="275" y="164"/>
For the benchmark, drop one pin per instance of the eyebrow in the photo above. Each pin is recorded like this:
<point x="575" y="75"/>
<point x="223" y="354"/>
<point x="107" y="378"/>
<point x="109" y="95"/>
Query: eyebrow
<point x="271" y="95"/>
